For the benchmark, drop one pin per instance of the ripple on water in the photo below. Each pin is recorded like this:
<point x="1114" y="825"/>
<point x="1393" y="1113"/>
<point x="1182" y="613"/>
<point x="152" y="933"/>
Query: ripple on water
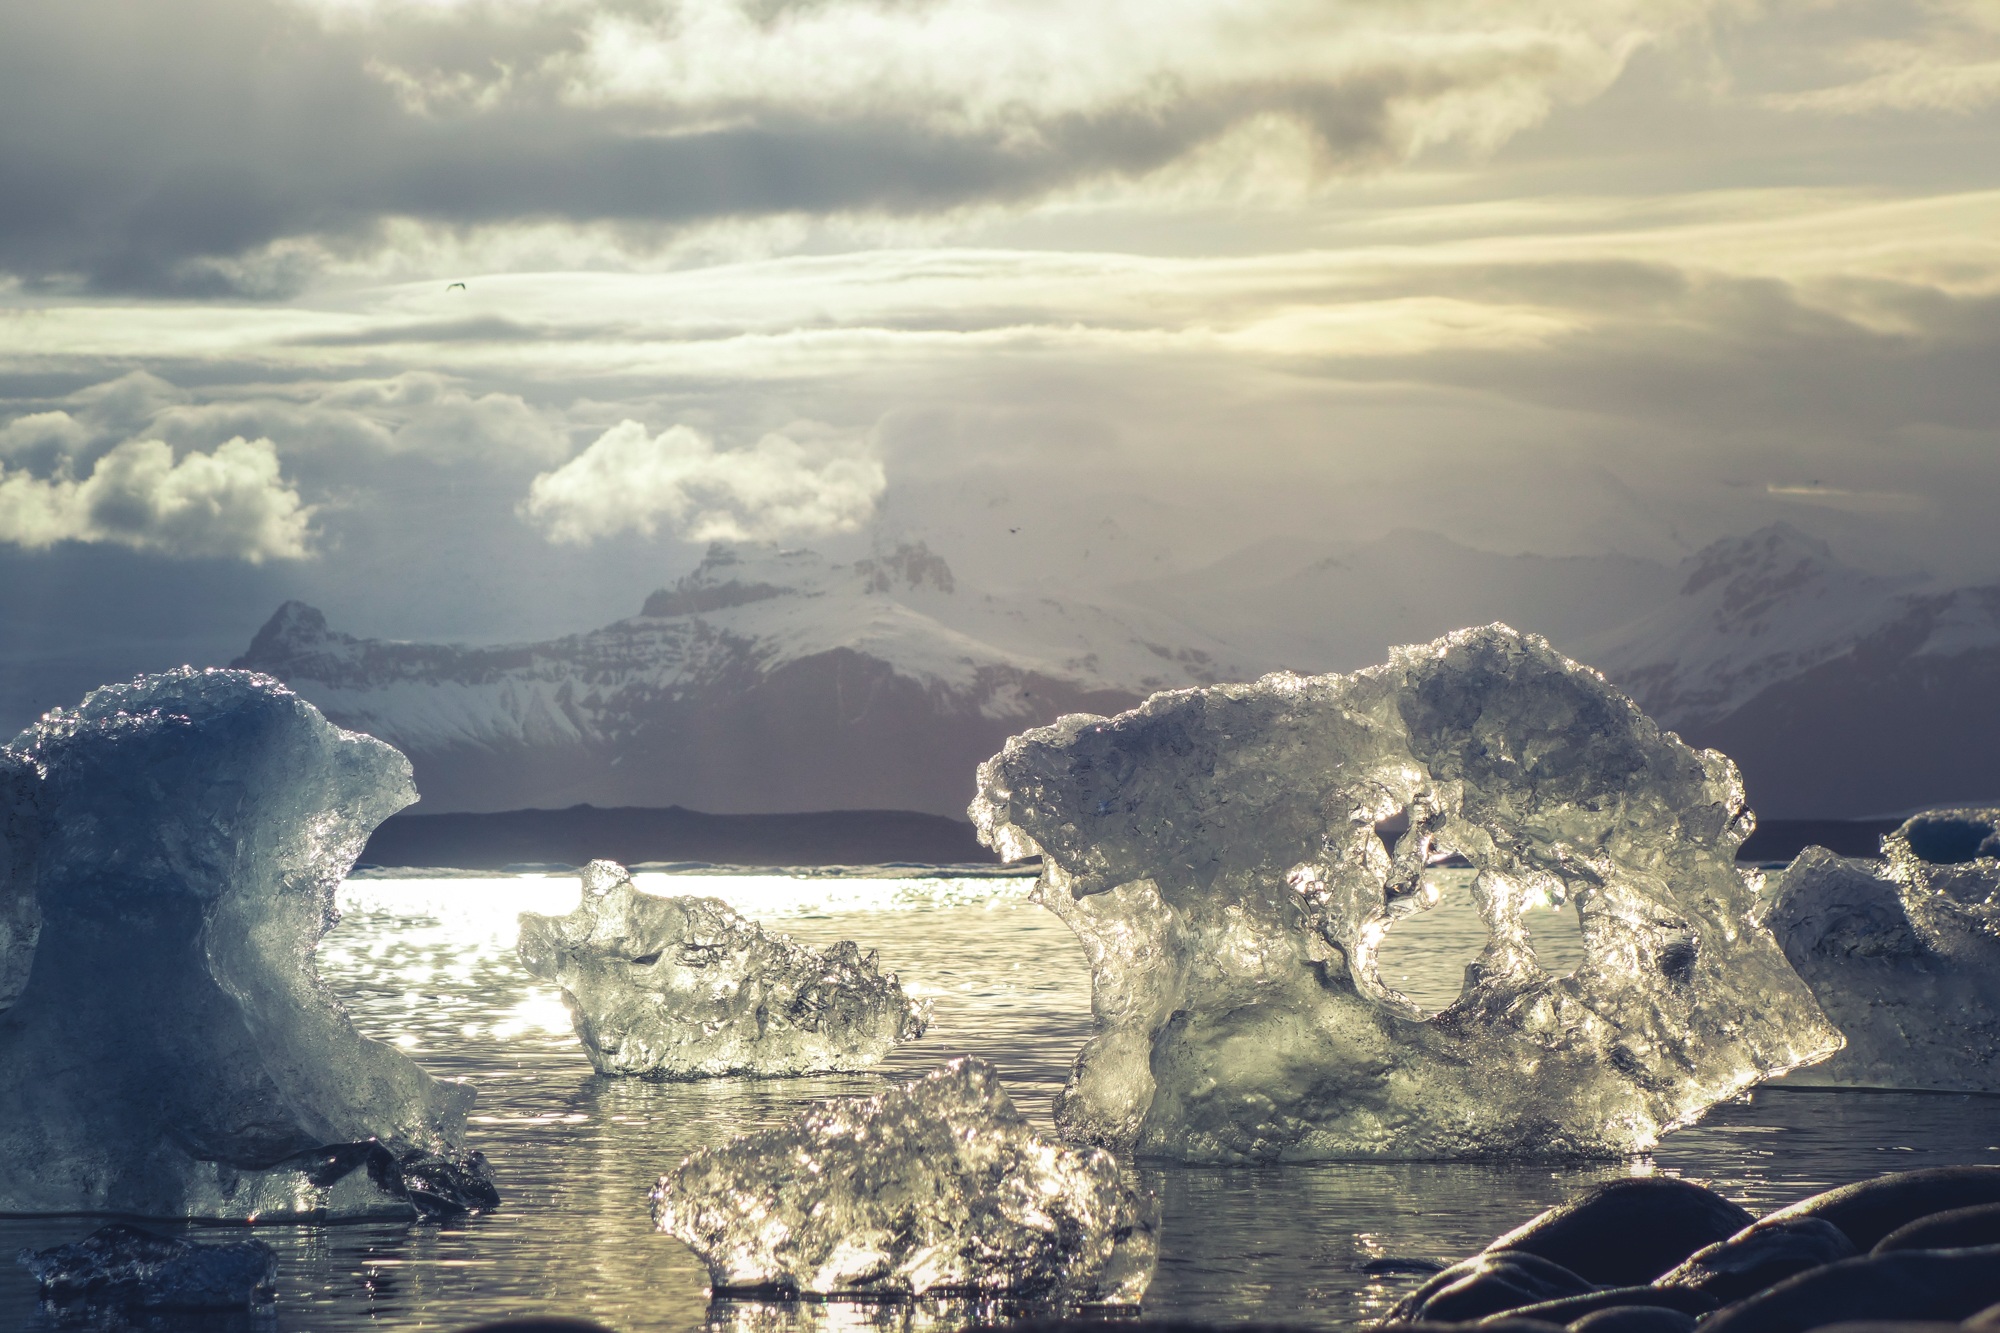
<point x="429" y="966"/>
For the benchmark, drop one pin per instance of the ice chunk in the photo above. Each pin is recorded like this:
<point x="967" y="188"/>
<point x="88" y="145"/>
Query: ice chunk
<point x="935" y="1188"/>
<point x="1216" y="852"/>
<point x="122" y="1265"/>
<point x="173" y="1052"/>
<point x="682" y="988"/>
<point x="1903" y="953"/>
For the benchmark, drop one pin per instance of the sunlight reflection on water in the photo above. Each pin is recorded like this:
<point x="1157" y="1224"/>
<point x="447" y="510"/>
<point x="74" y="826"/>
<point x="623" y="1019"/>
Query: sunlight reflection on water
<point x="429" y="965"/>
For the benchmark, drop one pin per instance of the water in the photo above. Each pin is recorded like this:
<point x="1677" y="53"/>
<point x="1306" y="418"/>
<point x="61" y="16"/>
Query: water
<point x="428" y="964"/>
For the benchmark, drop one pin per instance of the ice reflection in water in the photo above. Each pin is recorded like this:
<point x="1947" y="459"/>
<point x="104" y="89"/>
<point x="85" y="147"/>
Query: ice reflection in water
<point x="430" y="966"/>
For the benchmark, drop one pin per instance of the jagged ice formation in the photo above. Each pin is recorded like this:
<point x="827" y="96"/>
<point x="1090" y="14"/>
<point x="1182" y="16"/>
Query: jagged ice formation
<point x="170" y="1050"/>
<point x="934" y="1188"/>
<point x="683" y="988"/>
<point x="1216" y="852"/>
<point x="1903" y="953"/>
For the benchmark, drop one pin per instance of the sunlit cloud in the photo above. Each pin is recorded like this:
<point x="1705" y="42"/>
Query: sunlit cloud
<point x="632" y="481"/>
<point x="231" y="503"/>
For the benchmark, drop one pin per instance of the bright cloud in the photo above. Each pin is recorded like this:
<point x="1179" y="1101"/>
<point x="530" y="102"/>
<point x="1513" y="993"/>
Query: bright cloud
<point x="629" y="481"/>
<point x="231" y="503"/>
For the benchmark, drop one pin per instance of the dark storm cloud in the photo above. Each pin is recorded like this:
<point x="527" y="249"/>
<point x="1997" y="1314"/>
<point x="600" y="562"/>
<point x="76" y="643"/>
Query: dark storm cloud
<point x="166" y="148"/>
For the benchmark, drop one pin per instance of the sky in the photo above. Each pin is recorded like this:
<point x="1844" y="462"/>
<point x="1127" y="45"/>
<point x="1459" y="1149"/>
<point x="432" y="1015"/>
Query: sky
<point x="479" y="319"/>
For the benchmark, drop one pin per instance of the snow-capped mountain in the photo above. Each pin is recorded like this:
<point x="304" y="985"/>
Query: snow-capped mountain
<point x="772" y="680"/>
<point x="1745" y="614"/>
<point x="1839" y="693"/>
<point x="766" y="680"/>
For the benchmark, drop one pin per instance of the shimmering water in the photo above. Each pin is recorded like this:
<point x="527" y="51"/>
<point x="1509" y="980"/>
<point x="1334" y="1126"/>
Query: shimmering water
<point x="429" y="965"/>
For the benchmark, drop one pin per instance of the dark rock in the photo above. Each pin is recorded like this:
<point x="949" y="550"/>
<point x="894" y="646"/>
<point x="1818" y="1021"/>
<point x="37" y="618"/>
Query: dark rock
<point x="1634" y="1319"/>
<point x="1628" y="1232"/>
<point x="1869" y="1210"/>
<point x="1504" y="1323"/>
<point x="128" y="1266"/>
<point x="1569" y="1309"/>
<point x="1958" y="1229"/>
<point x="1392" y="1263"/>
<point x="1488" y="1284"/>
<point x="438" y="1185"/>
<point x="1907" y="1285"/>
<point x="1760" y="1257"/>
<point x="1892" y="1326"/>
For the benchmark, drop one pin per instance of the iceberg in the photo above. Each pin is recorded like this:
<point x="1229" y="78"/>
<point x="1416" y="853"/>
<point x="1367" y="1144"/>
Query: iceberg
<point x="1903" y="953"/>
<point x="935" y="1189"/>
<point x="1224" y="855"/>
<point x="684" y="988"/>
<point x="171" y="1050"/>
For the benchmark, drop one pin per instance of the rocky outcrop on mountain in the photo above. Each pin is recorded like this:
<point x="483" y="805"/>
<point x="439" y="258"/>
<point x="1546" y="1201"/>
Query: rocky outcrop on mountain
<point x="1838" y="693"/>
<point x="764" y="681"/>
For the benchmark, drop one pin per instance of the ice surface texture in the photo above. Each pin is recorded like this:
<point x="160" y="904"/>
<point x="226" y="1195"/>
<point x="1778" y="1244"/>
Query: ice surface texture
<point x="172" y="1051"/>
<point x="682" y="988"/>
<point x="123" y="1265"/>
<point x="1903" y="953"/>
<point x="1216" y="852"/>
<point x="935" y="1188"/>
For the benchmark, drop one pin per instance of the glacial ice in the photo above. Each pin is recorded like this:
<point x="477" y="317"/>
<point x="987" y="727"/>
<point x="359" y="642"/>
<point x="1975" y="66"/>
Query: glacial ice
<point x="1902" y="953"/>
<point x="171" y="1050"/>
<point x="1216" y="852"/>
<point x="684" y="988"/>
<point x="935" y="1188"/>
<point x="125" y="1266"/>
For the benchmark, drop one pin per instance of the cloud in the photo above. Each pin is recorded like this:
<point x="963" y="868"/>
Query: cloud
<point x="232" y="503"/>
<point x="1945" y="59"/>
<point x="126" y="164"/>
<point x="629" y="481"/>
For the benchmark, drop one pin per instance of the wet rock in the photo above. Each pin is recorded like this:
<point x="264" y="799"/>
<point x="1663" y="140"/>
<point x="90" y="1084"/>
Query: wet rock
<point x="121" y="1265"/>
<point x="1634" y="1319"/>
<point x="1869" y="1210"/>
<point x="1488" y="1284"/>
<point x="1627" y="1232"/>
<point x="1957" y="1229"/>
<point x="1572" y="1308"/>
<point x="1909" y="1285"/>
<point x="1761" y="1256"/>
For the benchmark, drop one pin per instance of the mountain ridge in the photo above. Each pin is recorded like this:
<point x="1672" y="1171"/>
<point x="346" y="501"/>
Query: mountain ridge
<point x="770" y="680"/>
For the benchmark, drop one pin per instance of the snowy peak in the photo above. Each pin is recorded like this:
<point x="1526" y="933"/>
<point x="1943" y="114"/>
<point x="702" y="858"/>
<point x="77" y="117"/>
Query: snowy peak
<point x="293" y="630"/>
<point x="1751" y="611"/>
<point x="740" y="573"/>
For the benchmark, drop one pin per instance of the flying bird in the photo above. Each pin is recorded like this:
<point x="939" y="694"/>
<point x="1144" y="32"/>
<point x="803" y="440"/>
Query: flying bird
<point x="459" y="285"/>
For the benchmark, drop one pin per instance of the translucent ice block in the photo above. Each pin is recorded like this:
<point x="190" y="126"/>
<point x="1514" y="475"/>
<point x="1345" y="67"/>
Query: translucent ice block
<point x="1903" y="953"/>
<point x="1232" y="858"/>
<point x="681" y="988"/>
<point x="172" y="1051"/>
<point x="935" y="1188"/>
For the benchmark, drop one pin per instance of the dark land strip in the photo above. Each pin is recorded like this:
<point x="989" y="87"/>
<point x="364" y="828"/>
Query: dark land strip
<point x="632" y="835"/>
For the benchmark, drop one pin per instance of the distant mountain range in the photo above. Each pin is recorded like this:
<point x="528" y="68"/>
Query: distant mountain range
<point x="772" y="680"/>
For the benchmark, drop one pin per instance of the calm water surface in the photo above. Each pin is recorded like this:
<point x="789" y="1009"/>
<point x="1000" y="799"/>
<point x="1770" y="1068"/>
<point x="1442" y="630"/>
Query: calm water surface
<point x="429" y="965"/>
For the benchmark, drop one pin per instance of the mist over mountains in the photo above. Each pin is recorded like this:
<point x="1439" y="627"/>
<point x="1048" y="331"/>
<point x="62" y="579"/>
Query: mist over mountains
<point x="776" y="680"/>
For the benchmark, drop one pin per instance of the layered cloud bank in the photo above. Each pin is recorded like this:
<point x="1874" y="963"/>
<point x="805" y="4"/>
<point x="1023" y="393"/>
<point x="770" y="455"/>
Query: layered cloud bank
<point x="475" y="318"/>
